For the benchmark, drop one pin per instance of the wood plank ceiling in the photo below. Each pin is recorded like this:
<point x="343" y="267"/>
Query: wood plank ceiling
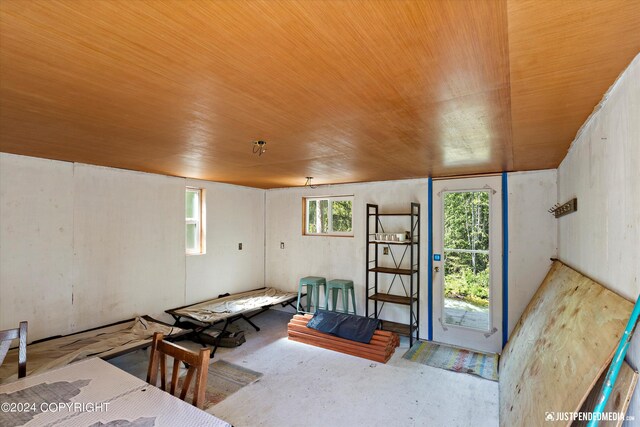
<point x="344" y="91"/>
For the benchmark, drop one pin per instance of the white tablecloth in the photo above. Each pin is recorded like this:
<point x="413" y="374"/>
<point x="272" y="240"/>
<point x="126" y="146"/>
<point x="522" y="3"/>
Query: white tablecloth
<point x="94" y="393"/>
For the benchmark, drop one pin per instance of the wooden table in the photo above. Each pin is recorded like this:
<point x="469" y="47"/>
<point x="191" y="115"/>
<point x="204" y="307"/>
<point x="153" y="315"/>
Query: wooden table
<point x="94" y="393"/>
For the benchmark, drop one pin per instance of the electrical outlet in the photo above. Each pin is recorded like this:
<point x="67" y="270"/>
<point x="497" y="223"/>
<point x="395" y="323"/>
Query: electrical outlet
<point x="385" y="251"/>
<point x="281" y="245"/>
<point x="239" y="246"/>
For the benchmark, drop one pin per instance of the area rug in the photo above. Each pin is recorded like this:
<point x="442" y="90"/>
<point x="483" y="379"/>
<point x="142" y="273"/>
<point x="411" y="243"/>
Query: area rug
<point x="442" y="356"/>
<point x="223" y="380"/>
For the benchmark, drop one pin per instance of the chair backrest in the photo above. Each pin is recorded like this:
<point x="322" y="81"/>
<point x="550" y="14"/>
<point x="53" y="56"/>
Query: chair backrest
<point x="9" y="335"/>
<point x="197" y="363"/>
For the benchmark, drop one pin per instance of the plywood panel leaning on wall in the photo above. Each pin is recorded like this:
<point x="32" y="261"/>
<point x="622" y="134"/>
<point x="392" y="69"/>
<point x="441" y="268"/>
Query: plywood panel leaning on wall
<point x="559" y="348"/>
<point x="618" y="401"/>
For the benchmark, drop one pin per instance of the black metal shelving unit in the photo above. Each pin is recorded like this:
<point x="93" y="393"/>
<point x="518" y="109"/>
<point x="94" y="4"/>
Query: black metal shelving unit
<point x="401" y="270"/>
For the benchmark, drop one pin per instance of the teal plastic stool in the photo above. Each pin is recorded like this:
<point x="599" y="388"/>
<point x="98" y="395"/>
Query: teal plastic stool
<point x="314" y="283"/>
<point x="333" y="286"/>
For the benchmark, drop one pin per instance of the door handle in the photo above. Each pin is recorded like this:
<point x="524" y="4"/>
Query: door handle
<point x="436" y="269"/>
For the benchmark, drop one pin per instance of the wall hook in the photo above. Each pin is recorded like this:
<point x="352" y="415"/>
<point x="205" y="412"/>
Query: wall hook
<point x="559" y="210"/>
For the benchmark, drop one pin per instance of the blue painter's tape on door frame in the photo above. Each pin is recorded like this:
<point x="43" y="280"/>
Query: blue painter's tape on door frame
<point x="430" y="262"/>
<point x="505" y="259"/>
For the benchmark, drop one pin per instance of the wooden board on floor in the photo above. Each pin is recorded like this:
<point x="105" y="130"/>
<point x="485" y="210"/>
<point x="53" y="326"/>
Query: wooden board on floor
<point x="559" y="348"/>
<point x="380" y="348"/>
<point x="618" y="401"/>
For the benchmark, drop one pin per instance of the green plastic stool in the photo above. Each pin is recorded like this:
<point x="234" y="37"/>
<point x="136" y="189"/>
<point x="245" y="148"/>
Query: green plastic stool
<point x="314" y="283"/>
<point x="333" y="286"/>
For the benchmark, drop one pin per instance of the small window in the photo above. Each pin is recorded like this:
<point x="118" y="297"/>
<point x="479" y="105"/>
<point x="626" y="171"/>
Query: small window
<point x="328" y="216"/>
<point x="195" y="221"/>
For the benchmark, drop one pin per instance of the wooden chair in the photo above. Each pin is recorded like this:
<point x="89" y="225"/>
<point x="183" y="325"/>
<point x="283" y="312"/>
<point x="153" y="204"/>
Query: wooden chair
<point x="5" y="343"/>
<point x="197" y="364"/>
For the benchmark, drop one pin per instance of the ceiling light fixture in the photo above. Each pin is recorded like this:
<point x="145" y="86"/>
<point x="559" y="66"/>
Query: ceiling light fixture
<point x="259" y="147"/>
<point x="308" y="183"/>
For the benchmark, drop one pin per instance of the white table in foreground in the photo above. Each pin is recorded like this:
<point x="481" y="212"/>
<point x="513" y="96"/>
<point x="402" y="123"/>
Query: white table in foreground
<point x="94" y="393"/>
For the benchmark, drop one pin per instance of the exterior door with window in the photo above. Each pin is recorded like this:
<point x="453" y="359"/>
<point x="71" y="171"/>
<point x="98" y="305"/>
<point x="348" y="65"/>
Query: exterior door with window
<point x="467" y="264"/>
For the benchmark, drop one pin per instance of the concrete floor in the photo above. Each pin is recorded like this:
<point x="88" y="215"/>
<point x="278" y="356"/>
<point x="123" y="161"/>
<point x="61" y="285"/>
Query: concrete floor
<point x="305" y="385"/>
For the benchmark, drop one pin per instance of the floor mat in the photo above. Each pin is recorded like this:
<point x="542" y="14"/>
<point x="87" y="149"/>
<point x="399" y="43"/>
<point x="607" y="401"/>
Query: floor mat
<point x="442" y="356"/>
<point x="223" y="380"/>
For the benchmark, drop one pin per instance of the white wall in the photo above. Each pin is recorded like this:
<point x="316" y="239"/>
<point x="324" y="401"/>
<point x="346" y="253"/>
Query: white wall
<point x="532" y="235"/>
<point x="36" y="244"/>
<point x="129" y="250"/>
<point x="602" y="169"/>
<point x="82" y="246"/>
<point x="234" y="215"/>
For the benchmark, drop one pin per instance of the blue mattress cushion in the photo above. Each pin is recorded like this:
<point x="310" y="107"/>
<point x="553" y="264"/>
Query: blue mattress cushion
<point x="348" y="326"/>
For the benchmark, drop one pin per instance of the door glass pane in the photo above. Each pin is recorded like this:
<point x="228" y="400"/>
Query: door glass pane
<point x="341" y="216"/>
<point x="466" y="220"/>
<point x="466" y="259"/>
